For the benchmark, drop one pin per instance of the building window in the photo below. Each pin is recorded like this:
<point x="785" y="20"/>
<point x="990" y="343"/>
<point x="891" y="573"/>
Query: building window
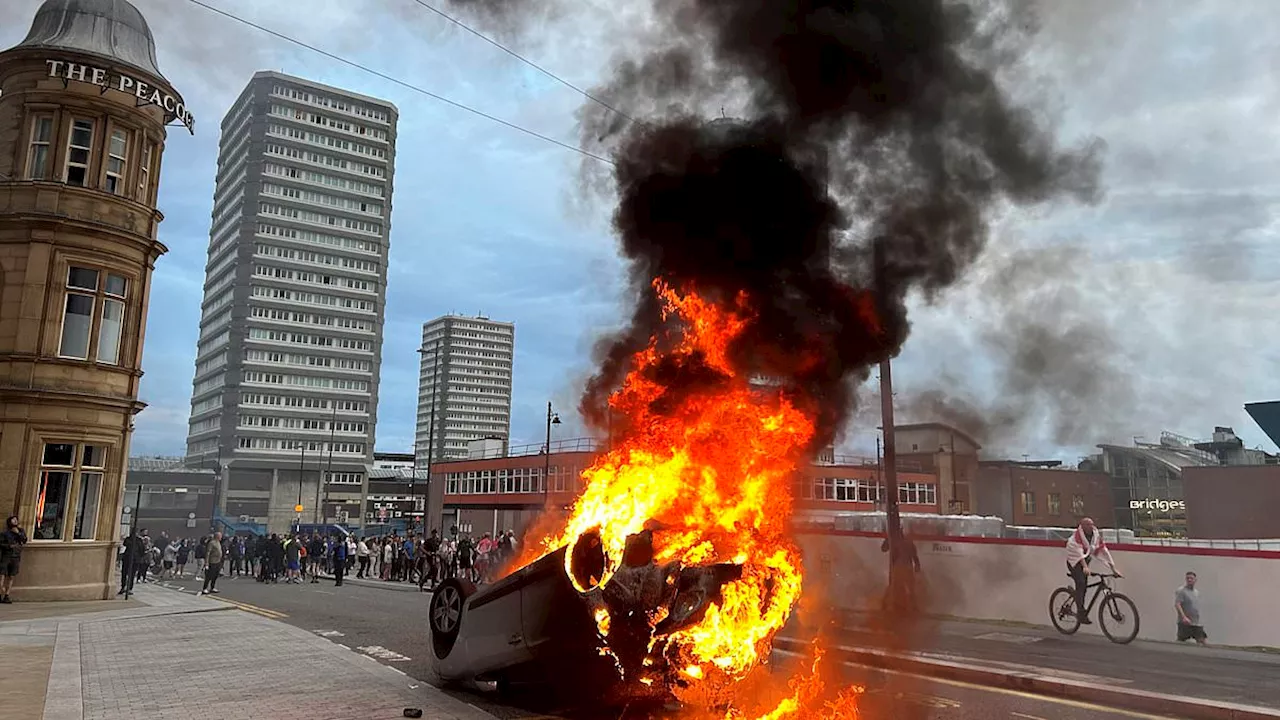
<point x="85" y="287"/>
<point x="1055" y="504"/>
<point x="41" y="136"/>
<point x="117" y="152"/>
<point x="79" y="152"/>
<point x="67" y="471"/>
<point x="77" y="313"/>
<point x="1028" y="503"/>
<point x="144" y="175"/>
<point x="1077" y="505"/>
<point x="109" y="332"/>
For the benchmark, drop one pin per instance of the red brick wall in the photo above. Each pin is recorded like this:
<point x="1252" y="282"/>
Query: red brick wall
<point x="1232" y="502"/>
<point x="1013" y="480"/>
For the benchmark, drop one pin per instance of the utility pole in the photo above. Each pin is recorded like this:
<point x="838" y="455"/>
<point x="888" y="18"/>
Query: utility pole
<point x="899" y="563"/>
<point x="431" y="444"/>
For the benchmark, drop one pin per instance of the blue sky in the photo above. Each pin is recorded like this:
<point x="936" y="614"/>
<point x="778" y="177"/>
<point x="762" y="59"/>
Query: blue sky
<point x="1178" y="266"/>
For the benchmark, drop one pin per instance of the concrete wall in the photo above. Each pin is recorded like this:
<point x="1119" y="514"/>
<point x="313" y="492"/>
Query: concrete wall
<point x="997" y="579"/>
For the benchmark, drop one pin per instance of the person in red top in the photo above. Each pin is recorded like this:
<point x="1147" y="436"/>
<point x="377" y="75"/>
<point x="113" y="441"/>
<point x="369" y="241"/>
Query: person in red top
<point x="1085" y="544"/>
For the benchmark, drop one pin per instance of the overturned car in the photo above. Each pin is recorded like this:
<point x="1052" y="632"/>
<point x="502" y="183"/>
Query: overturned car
<point x="555" y="623"/>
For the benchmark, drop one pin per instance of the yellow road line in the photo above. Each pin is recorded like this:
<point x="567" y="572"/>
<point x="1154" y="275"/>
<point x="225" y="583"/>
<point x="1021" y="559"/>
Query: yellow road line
<point x="255" y="609"/>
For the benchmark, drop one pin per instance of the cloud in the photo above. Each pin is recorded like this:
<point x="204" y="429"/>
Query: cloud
<point x="1178" y="264"/>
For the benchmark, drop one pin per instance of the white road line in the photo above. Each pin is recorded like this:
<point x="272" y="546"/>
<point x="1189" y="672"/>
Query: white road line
<point x="328" y="633"/>
<point x="1024" y="715"/>
<point x="395" y="670"/>
<point x="345" y="646"/>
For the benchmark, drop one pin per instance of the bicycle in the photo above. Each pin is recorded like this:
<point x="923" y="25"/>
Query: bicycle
<point x="1115" y="609"/>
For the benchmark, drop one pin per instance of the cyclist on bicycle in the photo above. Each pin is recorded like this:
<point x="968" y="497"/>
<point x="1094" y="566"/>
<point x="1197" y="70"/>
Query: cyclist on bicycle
<point x="1085" y="544"/>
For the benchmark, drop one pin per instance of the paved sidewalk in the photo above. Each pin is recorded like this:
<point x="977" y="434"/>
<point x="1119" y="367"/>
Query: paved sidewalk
<point x="1217" y="675"/>
<point x="121" y="664"/>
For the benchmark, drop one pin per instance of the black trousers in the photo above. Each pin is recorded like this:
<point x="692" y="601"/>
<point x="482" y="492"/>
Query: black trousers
<point x="339" y="569"/>
<point x="211" y="573"/>
<point x="364" y="566"/>
<point x="1082" y="581"/>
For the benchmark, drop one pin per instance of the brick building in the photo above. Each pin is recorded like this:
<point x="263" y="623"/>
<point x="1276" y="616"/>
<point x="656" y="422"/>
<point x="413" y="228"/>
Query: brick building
<point x="1043" y="494"/>
<point x="942" y="451"/>
<point x="1232" y="502"/>
<point x="83" y="115"/>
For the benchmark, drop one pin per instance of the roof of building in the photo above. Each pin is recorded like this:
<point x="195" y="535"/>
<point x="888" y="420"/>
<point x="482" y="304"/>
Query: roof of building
<point x="940" y="426"/>
<point x="1267" y="415"/>
<point x="1171" y="456"/>
<point x="395" y="474"/>
<point x="405" y="457"/>
<point x="386" y="104"/>
<point x="111" y="29"/>
<point x="164" y="464"/>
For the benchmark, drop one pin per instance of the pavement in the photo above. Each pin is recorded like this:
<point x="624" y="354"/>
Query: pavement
<point x="172" y="654"/>
<point x="1177" y="680"/>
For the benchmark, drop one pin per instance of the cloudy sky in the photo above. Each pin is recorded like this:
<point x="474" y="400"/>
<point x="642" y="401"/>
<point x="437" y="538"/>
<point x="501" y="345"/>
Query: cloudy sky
<point x="1156" y="309"/>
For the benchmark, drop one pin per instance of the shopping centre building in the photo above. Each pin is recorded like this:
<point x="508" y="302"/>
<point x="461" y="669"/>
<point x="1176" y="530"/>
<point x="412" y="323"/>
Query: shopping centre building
<point x="84" y="111"/>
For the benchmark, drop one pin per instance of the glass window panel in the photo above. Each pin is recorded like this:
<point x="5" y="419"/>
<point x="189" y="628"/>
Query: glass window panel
<point x="82" y="278"/>
<point x="59" y="454"/>
<point x="76" y="323"/>
<point x="117" y="285"/>
<point x="51" y="505"/>
<point x="87" y="508"/>
<point x="95" y="456"/>
<point x="109" y="331"/>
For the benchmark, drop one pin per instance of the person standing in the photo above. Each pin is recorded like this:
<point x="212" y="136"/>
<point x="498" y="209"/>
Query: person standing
<point x="1186" y="600"/>
<point x="362" y="554"/>
<point x="11" y="542"/>
<point x="133" y="547"/>
<point x="338" y="561"/>
<point x="293" y="559"/>
<point x="199" y="552"/>
<point x="235" y="551"/>
<point x="184" y="554"/>
<point x="213" y="564"/>
<point x="1083" y="546"/>
<point x="170" y="559"/>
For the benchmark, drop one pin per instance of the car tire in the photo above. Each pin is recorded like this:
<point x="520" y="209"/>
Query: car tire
<point x="445" y="614"/>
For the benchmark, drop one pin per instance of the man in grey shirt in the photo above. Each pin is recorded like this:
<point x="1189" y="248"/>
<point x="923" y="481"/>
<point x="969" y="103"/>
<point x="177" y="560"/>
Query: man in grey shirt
<point x="1187" y="602"/>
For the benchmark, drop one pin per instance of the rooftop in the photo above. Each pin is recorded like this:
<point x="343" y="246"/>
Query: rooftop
<point x="109" y="29"/>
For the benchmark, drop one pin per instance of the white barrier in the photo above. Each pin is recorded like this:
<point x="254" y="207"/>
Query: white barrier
<point x="998" y="579"/>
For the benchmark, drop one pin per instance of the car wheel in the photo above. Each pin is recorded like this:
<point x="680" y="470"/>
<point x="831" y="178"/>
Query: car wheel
<point x="445" y="614"/>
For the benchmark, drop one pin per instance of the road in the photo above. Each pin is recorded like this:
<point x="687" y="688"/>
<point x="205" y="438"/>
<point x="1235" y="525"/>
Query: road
<point x="389" y="625"/>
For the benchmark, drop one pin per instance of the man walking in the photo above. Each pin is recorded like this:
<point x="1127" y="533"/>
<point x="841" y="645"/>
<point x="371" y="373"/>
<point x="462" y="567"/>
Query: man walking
<point x="11" y="542"/>
<point x="1186" y="600"/>
<point x="213" y="564"/>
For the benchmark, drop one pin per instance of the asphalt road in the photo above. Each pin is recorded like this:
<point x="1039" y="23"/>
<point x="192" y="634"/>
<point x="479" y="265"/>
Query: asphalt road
<point x="390" y="625"/>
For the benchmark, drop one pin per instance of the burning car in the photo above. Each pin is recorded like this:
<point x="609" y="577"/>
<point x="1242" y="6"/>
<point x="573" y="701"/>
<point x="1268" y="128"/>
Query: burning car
<point x="540" y="618"/>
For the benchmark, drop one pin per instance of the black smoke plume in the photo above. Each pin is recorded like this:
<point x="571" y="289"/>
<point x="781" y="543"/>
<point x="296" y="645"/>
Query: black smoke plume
<point x="861" y="121"/>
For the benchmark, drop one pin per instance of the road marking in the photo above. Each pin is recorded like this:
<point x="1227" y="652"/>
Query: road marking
<point x="999" y="690"/>
<point x="396" y="670"/>
<point x="328" y="633"/>
<point x="1024" y="715"/>
<point x="345" y="646"/>
<point x="382" y="653"/>
<point x="1009" y="638"/>
<point x="272" y="614"/>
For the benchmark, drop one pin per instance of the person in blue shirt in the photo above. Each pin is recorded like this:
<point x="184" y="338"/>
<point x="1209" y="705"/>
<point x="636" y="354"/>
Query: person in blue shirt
<point x="408" y="557"/>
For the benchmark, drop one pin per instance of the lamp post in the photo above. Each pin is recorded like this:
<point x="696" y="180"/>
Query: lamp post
<point x="553" y="418"/>
<point x="431" y="433"/>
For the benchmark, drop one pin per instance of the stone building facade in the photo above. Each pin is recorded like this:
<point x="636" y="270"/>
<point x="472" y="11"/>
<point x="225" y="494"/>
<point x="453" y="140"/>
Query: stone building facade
<point x="83" y="116"/>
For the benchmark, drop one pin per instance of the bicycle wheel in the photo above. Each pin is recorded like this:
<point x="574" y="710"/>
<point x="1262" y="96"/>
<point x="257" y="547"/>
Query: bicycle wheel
<point x="1119" y="618"/>
<point x="1062" y="611"/>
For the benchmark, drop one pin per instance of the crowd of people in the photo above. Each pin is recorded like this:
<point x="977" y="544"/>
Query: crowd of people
<point x="295" y="558"/>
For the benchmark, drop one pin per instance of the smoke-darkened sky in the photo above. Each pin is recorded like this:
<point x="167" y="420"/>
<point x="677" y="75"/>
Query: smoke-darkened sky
<point x="1153" y="309"/>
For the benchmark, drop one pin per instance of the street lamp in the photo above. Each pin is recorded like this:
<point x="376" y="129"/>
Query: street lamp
<point x="553" y="418"/>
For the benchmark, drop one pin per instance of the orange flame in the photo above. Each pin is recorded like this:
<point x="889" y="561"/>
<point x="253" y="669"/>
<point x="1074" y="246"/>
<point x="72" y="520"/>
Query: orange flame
<point x="711" y="470"/>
